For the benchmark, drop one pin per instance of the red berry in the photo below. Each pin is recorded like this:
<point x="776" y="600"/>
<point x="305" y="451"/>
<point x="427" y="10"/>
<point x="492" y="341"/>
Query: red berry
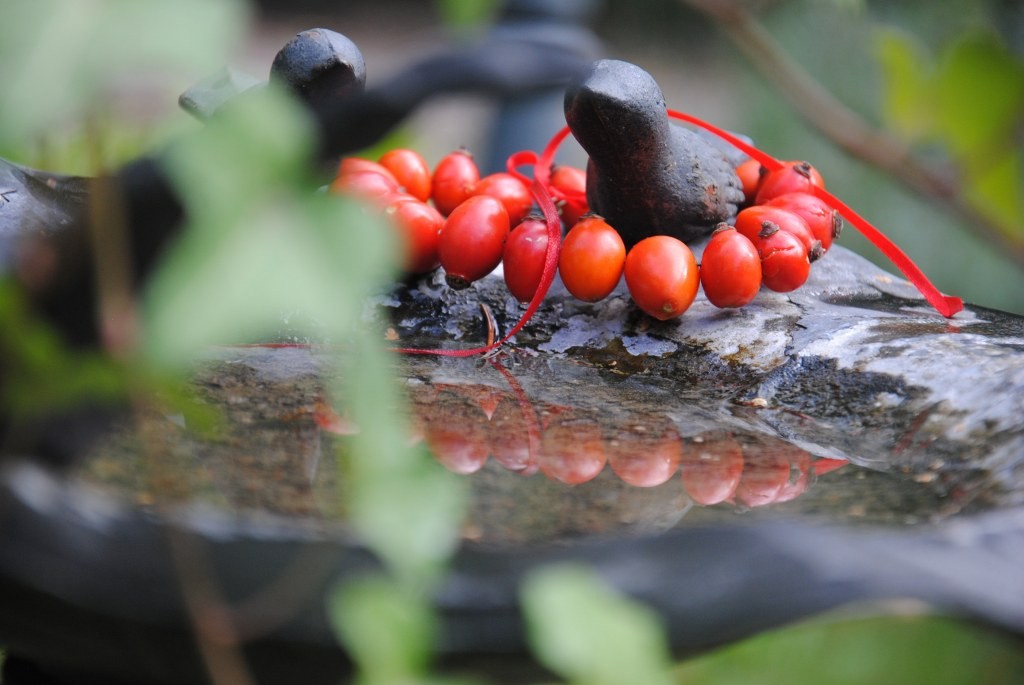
<point x="572" y="182"/>
<point x="751" y="221"/>
<point x="410" y="170"/>
<point x="420" y="228"/>
<point x="364" y="184"/>
<point x="750" y="173"/>
<point x="454" y="180"/>
<point x="784" y="263"/>
<point x="523" y="258"/>
<point x="591" y="259"/>
<point x="794" y="177"/>
<point x="350" y="165"/>
<point x="512" y="192"/>
<point x="662" y="277"/>
<point x="472" y="240"/>
<point x="730" y="269"/>
<point x="824" y="221"/>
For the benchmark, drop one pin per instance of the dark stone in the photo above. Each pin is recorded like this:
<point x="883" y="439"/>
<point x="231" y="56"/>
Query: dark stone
<point x="646" y="176"/>
<point x="320" y="66"/>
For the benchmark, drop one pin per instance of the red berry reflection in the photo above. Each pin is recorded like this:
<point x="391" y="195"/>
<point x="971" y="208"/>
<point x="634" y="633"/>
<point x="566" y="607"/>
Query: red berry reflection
<point x="572" y="449"/>
<point x="455" y="429"/>
<point x="711" y="469"/>
<point x="645" y="454"/>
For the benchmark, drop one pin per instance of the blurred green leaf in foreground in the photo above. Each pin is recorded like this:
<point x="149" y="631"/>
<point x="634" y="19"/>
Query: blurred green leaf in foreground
<point x="908" y="650"/>
<point x="587" y="633"/>
<point x="64" y="60"/>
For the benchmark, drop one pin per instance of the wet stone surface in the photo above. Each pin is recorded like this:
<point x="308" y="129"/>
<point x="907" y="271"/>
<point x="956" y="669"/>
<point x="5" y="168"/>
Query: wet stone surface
<point x="733" y="470"/>
<point x="847" y="402"/>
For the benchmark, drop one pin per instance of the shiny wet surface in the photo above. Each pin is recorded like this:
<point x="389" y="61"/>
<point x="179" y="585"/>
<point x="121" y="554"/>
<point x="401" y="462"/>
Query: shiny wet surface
<point x="556" y="448"/>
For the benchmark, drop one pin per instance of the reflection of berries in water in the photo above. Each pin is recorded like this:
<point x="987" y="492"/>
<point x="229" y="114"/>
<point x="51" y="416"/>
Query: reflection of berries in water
<point x="800" y="475"/>
<point x="711" y="469"/>
<point x="509" y="438"/>
<point x="645" y="455"/>
<point x="455" y="430"/>
<point x="766" y="472"/>
<point x="572" y="450"/>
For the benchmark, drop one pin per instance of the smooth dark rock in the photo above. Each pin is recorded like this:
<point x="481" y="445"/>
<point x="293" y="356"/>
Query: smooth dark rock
<point x="320" y="66"/>
<point x="646" y="176"/>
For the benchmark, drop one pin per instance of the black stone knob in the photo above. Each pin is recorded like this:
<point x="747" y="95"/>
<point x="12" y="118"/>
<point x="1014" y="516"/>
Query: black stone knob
<point x="646" y="176"/>
<point x="320" y="66"/>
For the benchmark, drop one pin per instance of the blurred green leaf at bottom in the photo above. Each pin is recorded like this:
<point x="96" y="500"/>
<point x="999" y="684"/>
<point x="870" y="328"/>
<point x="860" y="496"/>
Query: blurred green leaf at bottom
<point x="590" y="635"/>
<point x="910" y="650"/>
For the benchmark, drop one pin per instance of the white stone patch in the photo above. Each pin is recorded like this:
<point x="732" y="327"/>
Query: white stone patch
<point x="576" y="331"/>
<point x="946" y="364"/>
<point x="934" y="360"/>
<point x="638" y="345"/>
<point x="737" y="334"/>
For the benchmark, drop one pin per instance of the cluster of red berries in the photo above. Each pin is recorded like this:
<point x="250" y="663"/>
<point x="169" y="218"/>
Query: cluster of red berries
<point x="786" y="228"/>
<point x="468" y="224"/>
<point x="450" y="217"/>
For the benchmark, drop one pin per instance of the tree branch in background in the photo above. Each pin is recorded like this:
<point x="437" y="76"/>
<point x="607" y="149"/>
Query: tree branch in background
<point x="846" y="128"/>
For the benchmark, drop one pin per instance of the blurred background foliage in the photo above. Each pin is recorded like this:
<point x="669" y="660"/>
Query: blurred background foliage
<point x="93" y="84"/>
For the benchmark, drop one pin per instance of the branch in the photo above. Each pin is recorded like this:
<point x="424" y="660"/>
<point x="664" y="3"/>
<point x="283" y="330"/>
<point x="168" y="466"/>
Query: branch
<point x="846" y="128"/>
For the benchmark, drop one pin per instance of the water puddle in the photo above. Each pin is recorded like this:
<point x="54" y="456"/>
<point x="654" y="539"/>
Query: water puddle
<point x="555" y="448"/>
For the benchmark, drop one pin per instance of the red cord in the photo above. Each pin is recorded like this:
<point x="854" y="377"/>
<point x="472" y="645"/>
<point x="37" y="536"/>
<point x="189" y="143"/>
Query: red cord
<point x="540" y="188"/>
<point x="545" y="196"/>
<point x="530" y="418"/>
<point x="944" y="304"/>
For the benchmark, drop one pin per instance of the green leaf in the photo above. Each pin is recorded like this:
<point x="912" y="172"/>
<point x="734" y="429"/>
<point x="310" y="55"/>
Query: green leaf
<point x="466" y="15"/>
<point x="388" y="632"/>
<point x="906" y="101"/>
<point x="996" y="190"/>
<point x="979" y="96"/>
<point x="590" y="635"/>
<point x="262" y="142"/>
<point x="61" y="57"/>
<point x="410" y="514"/>
<point x="41" y="374"/>
<point x="260" y="243"/>
<point x="853" y="651"/>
